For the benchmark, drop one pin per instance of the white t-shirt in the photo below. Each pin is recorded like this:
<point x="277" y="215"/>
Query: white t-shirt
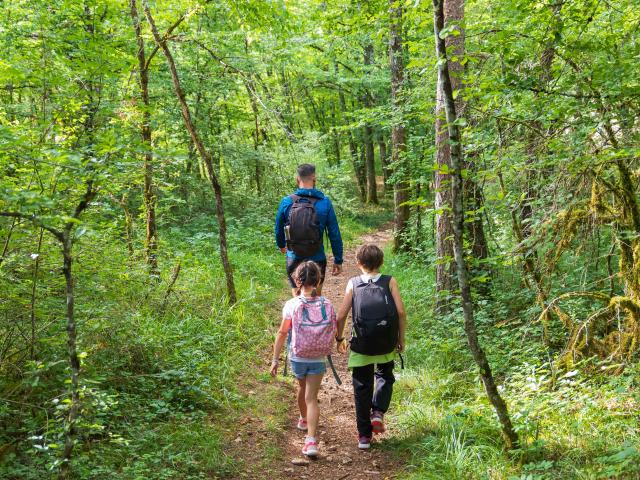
<point x="365" y="277"/>
<point x="287" y="313"/>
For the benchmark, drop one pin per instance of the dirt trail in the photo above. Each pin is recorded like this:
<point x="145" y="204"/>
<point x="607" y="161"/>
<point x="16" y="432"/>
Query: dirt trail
<point x="340" y="458"/>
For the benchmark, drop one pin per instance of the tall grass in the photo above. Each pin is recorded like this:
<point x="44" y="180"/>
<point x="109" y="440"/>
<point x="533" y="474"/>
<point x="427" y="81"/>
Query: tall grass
<point x="573" y="425"/>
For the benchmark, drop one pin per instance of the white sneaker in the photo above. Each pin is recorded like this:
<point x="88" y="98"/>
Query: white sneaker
<point x="364" y="442"/>
<point x="310" y="448"/>
<point x="302" y="424"/>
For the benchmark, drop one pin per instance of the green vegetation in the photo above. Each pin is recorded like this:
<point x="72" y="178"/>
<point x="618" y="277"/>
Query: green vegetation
<point x="124" y="349"/>
<point x="160" y="370"/>
<point x="581" y="423"/>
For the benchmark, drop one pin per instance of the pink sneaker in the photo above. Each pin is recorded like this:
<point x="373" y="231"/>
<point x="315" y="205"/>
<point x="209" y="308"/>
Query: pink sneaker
<point x="302" y="424"/>
<point x="377" y="422"/>
<point x="310" y="448"/>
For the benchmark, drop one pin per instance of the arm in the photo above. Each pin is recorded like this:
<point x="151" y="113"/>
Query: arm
<point x="281" y="337"/>
<point x="279" y="228"/>
<point x="334" y="236"/>
<point x="402" y="313"/>
<point x="343" y="312"/>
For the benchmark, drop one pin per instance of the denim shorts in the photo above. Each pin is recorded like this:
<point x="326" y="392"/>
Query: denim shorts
<point x="302" y="369"/>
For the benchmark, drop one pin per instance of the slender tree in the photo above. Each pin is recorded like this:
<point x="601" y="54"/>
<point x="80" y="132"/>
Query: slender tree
<point x="149" y="196"/>
<point x="370" y="166"/>
<point x="398" y="133"/>
<point x="445" y="269"/>
<point x="384" y="160"/>
<point x="202" y="151"/>
<point x="457" y="161"/>
<point x="66" y="238"/>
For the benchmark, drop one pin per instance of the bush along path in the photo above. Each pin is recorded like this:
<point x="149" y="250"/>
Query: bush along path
<point x="340" y="458"/>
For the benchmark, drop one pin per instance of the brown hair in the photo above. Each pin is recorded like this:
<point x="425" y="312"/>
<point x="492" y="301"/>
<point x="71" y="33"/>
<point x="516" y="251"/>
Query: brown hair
<point x="306" y="171"/>
<point x="369" y="256"/>
<point x="307" y="274"/>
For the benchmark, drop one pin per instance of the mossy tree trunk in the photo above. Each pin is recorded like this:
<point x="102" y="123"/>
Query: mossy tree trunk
<point x="445" y="86"/>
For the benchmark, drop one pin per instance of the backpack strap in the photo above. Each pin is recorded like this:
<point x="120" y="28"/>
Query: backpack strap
<point x="323" y="309"/>
<point x="296" y="198"/>
<point x="333" y="370"/>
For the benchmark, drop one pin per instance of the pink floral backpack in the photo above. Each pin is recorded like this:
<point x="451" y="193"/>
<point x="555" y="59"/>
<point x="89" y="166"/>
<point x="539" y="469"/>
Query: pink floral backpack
<point x="313" y="327"/>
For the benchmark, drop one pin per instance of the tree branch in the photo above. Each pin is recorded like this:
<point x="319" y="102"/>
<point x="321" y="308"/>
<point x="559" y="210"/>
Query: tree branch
<point x="36" y="221"/>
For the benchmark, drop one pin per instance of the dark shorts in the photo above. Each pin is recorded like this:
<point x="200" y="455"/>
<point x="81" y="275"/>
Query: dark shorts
<point x="292" y="263"/>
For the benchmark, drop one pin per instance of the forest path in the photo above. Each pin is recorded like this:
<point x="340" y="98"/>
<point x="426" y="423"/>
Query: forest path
<point x="340" y="458"/>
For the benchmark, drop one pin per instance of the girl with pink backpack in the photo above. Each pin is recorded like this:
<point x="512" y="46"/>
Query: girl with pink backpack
<point x="312" y="322"/>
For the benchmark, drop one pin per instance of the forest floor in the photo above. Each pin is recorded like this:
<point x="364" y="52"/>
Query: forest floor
<point x="340" y="458"/>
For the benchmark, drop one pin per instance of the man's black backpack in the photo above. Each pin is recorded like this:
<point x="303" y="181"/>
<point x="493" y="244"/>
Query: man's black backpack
<point x="304" y="232"/>
<point x="375" y="317"/>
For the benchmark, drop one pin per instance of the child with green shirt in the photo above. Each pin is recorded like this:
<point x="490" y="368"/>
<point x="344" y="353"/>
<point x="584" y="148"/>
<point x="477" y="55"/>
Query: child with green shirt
<point x="379" y="324"/>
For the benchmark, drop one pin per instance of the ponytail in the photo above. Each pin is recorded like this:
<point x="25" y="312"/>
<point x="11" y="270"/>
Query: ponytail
<point x="307" y="274"/>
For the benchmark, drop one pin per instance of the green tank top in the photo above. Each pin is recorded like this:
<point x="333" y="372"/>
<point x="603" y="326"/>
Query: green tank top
<point x="359" y="360"/>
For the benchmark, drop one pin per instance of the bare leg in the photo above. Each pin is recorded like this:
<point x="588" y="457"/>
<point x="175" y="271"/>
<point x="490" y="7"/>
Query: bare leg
<point x="302" y="405"/>
<point x="311" y="398"/>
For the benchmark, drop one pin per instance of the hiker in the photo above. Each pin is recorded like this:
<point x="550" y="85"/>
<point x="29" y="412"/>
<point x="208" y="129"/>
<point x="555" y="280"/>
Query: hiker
<point x="312" y="321"/>
<point x="379" y="325"/>
<point x="301" y="221"/>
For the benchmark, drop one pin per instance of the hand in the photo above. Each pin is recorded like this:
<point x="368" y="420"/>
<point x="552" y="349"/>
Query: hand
<point x="342" y="346"/>
<point x="274" y="369"/>
<point x="336" y="269"/>
<point x="283" y="250"/>
<point x="400" y="346"/>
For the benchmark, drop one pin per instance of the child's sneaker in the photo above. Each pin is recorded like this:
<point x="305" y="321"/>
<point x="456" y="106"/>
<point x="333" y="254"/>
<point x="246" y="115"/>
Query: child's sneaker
<point x="364" y="442"/>
<point x="302" y="424"/>
<point x="377" y="422"/>
<point x="310" y="448"/>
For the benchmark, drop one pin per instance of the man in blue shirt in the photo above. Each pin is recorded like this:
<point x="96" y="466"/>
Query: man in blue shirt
<point x="327" y="221"/>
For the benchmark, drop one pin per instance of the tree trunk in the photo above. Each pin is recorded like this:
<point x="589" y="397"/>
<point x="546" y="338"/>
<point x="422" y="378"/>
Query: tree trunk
<point x="149" y="196"/>
<point x="384" y="160"/>
<point x="335" y="136"/>
<point x="5" y="248"/>
<point x="204" y="154"/>
<point x="72" y="352"/>
<point x="444" y="80"/>
<point x="475" y="227"/>
<point x="362" y="169"/>
<point x="398" y="133"/>
<point x="251" y="91"/>
<point x="370" y="166"/>
<point x="445" y="269"/>
<point x="34" y="291"/>
<point x="358" y="167"/>
<point x="353" y="149"/>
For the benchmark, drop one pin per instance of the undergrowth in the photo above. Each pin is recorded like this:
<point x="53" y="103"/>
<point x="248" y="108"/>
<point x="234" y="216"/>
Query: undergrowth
<point x="167" y="368"/>
<point x="573" y="424"/>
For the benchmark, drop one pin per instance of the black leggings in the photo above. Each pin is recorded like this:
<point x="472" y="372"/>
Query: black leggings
<point x="370" y="396"/>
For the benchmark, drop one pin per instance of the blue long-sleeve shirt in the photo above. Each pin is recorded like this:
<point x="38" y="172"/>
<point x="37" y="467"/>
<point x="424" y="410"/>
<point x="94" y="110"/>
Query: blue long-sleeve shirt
<point x="327" y="220"/>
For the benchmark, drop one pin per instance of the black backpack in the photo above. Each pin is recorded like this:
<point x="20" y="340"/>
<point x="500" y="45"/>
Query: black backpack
<point x="304" y="232"/>
<point x="375" y="317"/>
